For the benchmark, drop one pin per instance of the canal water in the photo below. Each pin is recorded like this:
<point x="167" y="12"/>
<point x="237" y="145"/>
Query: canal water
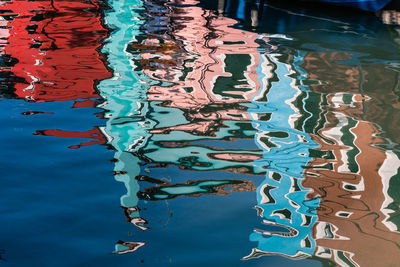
<point x="198" y="133"/>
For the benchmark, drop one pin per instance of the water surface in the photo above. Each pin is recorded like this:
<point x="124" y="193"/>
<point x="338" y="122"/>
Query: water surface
<point x="187" y="133"/>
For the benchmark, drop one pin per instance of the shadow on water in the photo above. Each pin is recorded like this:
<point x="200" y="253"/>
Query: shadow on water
<point x="215" y="98"/>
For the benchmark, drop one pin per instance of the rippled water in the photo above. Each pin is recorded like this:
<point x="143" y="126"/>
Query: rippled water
<point x="192" y="133"/>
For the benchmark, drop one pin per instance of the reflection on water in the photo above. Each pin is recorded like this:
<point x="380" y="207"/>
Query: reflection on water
<point x="144" y="124"/>
<point x="220" y="98"/>
<point x="49" y="49"/>
<point x="41" y="62"/>
<point x="196" y="189"/>
<point x="310" y="115"/>
<point x="282" y="200"/>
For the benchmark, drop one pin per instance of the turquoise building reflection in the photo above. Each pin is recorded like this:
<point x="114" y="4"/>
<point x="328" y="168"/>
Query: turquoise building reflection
<point x="125" y="104"/>
<point x="146" y="131"/>
<point x="288" y="215"/>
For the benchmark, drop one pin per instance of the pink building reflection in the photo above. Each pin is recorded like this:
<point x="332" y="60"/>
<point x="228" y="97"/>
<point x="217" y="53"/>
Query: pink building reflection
<point x="194" y="58"/>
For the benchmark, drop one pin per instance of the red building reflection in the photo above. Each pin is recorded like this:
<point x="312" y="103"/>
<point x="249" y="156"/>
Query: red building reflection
<point x="95" y="134"/>
<point x="55" y="45"/>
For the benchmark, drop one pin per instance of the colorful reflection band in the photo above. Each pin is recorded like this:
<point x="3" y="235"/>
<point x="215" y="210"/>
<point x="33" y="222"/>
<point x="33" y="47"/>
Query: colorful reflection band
<point x="331" y="183"/>
<point x="288" y="216"/>
<point x="327" y="194"/>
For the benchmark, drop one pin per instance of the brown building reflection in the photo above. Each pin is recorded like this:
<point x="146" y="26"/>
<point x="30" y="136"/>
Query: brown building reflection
<point x="357" y="218"/>
<point x="376" y="87"/>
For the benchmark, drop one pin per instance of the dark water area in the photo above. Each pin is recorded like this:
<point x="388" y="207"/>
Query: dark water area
<point x="193" y="133"/>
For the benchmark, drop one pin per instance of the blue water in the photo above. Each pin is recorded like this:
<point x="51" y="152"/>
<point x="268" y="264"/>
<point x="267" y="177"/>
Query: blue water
<point x="202" y="133"/>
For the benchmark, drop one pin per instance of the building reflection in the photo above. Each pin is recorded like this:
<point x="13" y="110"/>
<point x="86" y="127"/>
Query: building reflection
<point x="206" y="73"/>
<point x="190" y="90"/>
<point x="329" y="192"/>
<point x="49" y="52"/>
<point x="172" y="92"/>
<point x="358" y="211"/>
<point x="51" y="49"/>
<point x="196" y="188"/>
<point x="332" y="195"/>
<point x="125" y="108"/>
<point x="341" y="205"/>
<point x="288" y="214"/>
